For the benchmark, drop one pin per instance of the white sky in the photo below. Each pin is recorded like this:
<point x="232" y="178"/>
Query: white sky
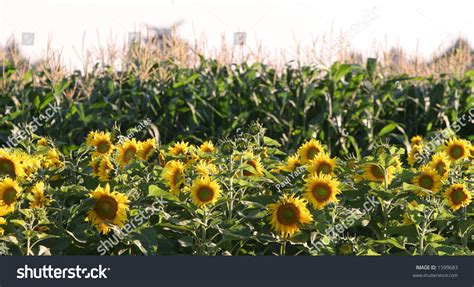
<point x="79" y="25"/>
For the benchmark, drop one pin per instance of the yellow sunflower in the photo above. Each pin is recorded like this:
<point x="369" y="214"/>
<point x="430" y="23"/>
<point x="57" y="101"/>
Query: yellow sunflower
<point x="255" y="163"/>
<point x="127" y="152"/>
<point x="440" y="162"/>
<point x="416" y="140"/>
<point x="174" y="175"/>
<point x="205" y="191"/>
<point x="2" y="222"/>
<point x="288" y="215"/>
<point x="205" y="168"/>
<point x="457" y="149"/>
<point x="52" y="159"/>
<point x="415" y="154"/>
<point x="30" y="164"/>
<point x="292" y="163"/>
<point x="373" y="172"/>
<point x="309" y="150"/>
<point x="322" y="163"/>
<point x="109" y="208"/>
<point x="428" y="178"/>
<point x="10" y="165"/>
<point x="42" y="142"/>
<point x="162" y="158"/>
<point x="458" y="196"/>
<point x="396" y="163"/>
<point x="207" y="147"/>
<point x="146" y="149"/>
<point x="321" y="189"/>
<point x="180" y="148"/>
<point x="9" y="193"/>
<point x="38" y="200"/>
<point x="102" y="143"/>
<point x="105" y="168"/>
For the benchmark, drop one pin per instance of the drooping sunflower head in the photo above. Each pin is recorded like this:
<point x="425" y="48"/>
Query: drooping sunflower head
<point x="253" y="163"/>
<point x="321" y="189"/>
<point x="174" y="176"/>
<point x="457" y="149"/>
<point x="127" y="152"/>
<point x="309" y="150"/>
<point x="146" y="149"/>
<point x="415" y="154"/>
<point x="10" y="165"/>
<point x="322" y="163"/>
<point x="207" y="147"/>
<point x="205" y="168"/>
<point x="458" y="196"/>
<point x="374" y="172"/>
<point x="38" y="199"/>
<point x="416" y="140"/>
<point x="292" y="163"/>
<point x="102" y="143"/>
<point x="396" y="163"/>
<point x="9" y="194"/>
<point x="105" y="168"/>
<point x="94" y="164"/>
<point x="288" y="215"/>
<point x="440" y="162"/>
<point x="180" y="148"/>
<point x="428" y="179"/>
<point x="52" y="159"/>
<point x="110" y="208"/>
<point x="205" y="191"/>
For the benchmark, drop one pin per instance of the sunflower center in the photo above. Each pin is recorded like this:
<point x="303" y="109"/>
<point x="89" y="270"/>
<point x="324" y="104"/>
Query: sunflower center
<point x="440" y="168"/>
<point x="377" y="171"/>
<point x="321" y="192"/>
<point x="426" y="181"/>
<point x="205" y="194"/>
<point x="103" y="147"/>
<point x="458" y="196"/>
<point x="129" y="154"/>
<point x="324" y="168"/>
<point x="9" y="196"/>
<point x="312" y="152"/>
<point x="288" y="214"/>
<point x="456" y="151"/>
<point x="6" y="166"/>
<point x="106" y="207"/>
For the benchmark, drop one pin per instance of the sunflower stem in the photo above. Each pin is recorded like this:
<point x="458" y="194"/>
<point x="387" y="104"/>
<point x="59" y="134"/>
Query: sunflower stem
<point x="283" y="248"/>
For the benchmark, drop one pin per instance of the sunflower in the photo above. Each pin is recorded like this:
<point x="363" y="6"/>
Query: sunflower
<point x="146" y="149"/>
<point x="205" y="191"/>
<point x="42" y="142"/>
<point x="415" y="154"/>
<point x="104" y="168"/>
<point x="30" y="164"/>
<point x="9" y="193"/>
<point x="174" y="175"/>
<point x="373" y="172"/>
<point x="309" y="150"/>
<point x="457" y="149"/>
<point x="109" y="208"/>
<point x="322" y="163"/>
<point x="127" y="152"/>
<point x="458" y="196"/>
<point x="207" y="147"/>
<point x="38" y="200"/>
<point x="102" y="143"/>
<point x="396" y="163"/>
<point x="162" y="158"/>
<point x="52" y="159"/>
<point x="416" y="140"/>
<point x="180" y="148"/>
<point x="255" y="163"/>
<point x="292" y="163"/>
<point x="428" y="178"/>
<point x="440" y="162"/>
<point x="288" y="214"/>
<point x="10" y="165"/>
<point x="321" y="189"/>
<point x="205" y="168"/>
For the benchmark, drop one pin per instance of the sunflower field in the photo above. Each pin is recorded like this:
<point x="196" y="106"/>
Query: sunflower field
<point x="237" y="160"/>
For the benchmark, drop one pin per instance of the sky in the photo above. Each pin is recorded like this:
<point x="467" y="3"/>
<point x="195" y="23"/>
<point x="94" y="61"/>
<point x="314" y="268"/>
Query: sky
<point x="72" y="27"/>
